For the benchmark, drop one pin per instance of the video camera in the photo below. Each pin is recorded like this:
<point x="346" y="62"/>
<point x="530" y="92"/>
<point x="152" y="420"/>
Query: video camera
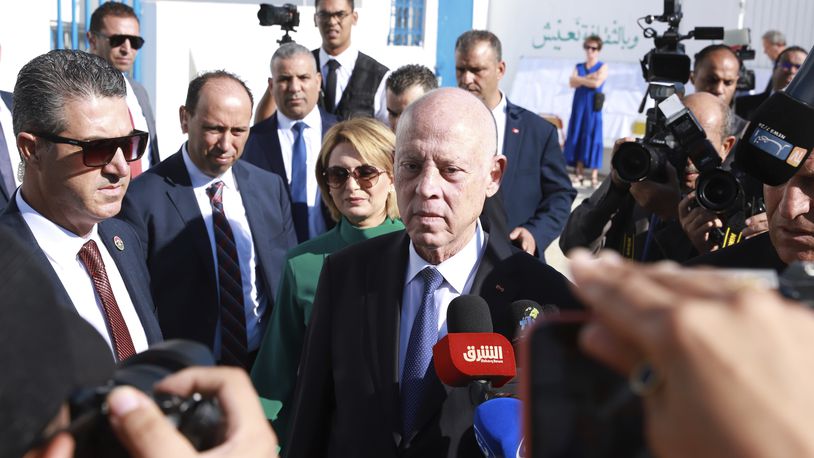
<point x="286" y="16"/>
<point x="739" y="40"/>
<point x="198" y="418"/>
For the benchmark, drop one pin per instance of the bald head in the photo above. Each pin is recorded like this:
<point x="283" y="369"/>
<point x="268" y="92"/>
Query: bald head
<point x="446" y="108"/>
<point x="446" y="166"/>
<point x="712" y="113"/>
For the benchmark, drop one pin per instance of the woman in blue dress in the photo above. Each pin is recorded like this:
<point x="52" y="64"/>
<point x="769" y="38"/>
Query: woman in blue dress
<point x="583" y="144"/>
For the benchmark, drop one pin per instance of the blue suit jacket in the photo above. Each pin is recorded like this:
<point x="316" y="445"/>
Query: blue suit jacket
<point x="536" y="189"/>
<point x="161" y="207"/>
<point x="129" y="261"/>
<point x="8" y="99"/>
<point x="263" y="150"/>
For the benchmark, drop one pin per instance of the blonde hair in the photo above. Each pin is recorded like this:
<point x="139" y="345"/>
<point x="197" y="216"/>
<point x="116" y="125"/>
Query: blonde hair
<point x="374" y="142"/>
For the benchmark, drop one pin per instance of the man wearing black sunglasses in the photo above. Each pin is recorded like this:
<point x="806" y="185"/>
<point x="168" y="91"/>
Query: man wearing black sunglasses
<point x="76" y="142"/>
<point x="787" y="64"/>
<point x="114" y="36"/>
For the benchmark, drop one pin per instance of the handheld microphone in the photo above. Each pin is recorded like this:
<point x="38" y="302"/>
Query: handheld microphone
<point x="779" y="139"/>
<point x="498" y="429"/>
<point x="525" y="313"/>
<point x="470" y="351"/>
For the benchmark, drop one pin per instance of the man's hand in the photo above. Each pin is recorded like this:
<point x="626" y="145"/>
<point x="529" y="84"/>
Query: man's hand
<point x="659" y="198"/>
<point x="145" y="432"/>
<point x="522" y="238"/>
<point x="756" y="224"/>
<point x="697" y="222"/>
<point x="733" y="358"/>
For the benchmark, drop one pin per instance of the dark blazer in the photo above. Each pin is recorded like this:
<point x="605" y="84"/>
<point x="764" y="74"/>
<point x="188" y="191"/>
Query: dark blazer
<point x="746" y="105"/>
<point x="129" y="261"/>
<point x="147" y="109"/>
<point x="347" y="400"/>
<point x="8" y="99"/>
<point x="263" y="150"/>
<point x="162" y="208"/>
<point x="537" y="192"/>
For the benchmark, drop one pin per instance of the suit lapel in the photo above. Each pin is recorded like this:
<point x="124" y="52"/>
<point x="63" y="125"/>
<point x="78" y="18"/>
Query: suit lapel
<point x="512" y="141"/>
<point x="275" y="155"/>
<point x="137" y="287"/>
<point x="254" y="202"/>
<point x="383" y="305"/>
<point x="182" y="197"/>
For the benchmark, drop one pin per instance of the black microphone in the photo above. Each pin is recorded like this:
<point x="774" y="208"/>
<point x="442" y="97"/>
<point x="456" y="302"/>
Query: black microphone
<point x="525" y="312"/>
<point x="780" y="138"/>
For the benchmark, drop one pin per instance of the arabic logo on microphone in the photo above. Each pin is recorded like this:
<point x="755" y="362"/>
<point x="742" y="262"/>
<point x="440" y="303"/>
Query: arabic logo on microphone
<point x="488" y="354"/>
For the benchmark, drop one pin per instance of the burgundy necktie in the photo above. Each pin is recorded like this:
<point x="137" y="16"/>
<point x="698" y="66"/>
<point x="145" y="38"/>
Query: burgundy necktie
<point x="234" y="344"/>
<point x="92" y="259"/>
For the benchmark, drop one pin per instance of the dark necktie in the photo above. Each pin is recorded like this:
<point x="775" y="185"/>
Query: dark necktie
<point x="234" y="345"/>
<point x="92" y="259"/>
<point x="5" y="165"/>
<point x="299" y="182"/>
<point x="418" y="371"/>
<point x="330" y="86"/>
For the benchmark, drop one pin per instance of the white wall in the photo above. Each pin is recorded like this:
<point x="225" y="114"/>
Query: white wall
<point x="23" y="35"/>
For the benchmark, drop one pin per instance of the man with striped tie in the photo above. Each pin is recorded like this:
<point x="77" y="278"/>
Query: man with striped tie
<point x="215" y="229"/>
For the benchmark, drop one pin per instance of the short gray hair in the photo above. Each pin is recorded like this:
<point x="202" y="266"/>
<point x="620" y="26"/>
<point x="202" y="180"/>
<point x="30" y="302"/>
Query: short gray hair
<point x="775" y="37"/>
<point x="289" y="50"/>
<point x="47" y="83"/>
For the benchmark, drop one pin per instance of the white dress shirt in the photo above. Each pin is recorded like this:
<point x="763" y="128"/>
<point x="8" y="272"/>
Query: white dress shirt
<point x="254" y="298"/>
<point x="313" y="143"/>
<point x="11" y="141"/>
<point x="499" y="113"/>
<point x="61" y="247"/>
<point x="139" y="122"/>
<point x="459" y="273"/>
<point x="347" y="61"/>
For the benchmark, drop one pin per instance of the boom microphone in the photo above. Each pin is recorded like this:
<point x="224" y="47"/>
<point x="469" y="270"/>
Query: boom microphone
<point x="779" y="139"/>
<point x="470" y="351"/>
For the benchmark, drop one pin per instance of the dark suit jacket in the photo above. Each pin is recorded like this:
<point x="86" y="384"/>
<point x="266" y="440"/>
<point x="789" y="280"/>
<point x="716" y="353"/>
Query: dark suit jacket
<point x="146" y="108"/>
<point x="161" y="206"/>
<point x="347" y="400"/>
<point x="746" y="105"/>
<point x="8" y="99"/>
<point x="263" y="150"/>
<point x="536" y="189"/>
<point x="129" y="261"/>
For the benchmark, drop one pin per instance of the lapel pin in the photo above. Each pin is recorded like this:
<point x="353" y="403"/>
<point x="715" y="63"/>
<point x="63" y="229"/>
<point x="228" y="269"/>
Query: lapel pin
<point x="118" y="242"/>
<point x="515" y="130"/>
<point x="499" y="288"/>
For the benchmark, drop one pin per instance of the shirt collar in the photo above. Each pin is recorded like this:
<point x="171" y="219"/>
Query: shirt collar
<point x="346" y="59"/>
<point x="500" y="108"/>
<point x="202" y="180"/>
<point x="457" y="269"/>
<point x="312" y="119"/>
<point x="55" y="241"/>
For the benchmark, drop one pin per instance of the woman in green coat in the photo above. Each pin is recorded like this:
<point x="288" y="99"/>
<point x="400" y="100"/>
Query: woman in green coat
<point x="355" y="176"/>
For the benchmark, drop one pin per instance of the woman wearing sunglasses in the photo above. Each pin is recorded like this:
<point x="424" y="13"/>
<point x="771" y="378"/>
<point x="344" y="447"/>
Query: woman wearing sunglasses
<point x="583" y="144"/>
<point x="355" y="177"/>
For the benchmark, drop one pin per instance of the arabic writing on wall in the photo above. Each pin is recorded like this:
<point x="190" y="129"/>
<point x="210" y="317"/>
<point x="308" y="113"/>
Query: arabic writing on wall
<point x="557" y="32"/>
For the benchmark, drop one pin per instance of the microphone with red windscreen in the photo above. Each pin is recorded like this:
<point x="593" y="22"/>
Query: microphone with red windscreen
<point x="471" y="352"/>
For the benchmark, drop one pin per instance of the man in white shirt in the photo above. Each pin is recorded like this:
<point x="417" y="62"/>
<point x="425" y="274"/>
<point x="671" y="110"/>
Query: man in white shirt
<point x="114" y="36"/>
<point x="281" y="146"/>
<point x="215" y="229"/>
<point x="76" y="142"/>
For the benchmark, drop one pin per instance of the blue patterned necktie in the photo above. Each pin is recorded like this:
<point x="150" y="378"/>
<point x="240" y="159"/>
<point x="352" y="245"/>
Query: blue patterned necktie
<point x="418" y="370"/>
<point x="299" y="164"/>
<point x="234" y="345"/>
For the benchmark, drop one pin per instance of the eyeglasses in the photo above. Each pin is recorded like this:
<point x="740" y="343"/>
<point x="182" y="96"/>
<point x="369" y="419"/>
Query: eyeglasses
<point x="788" y="66"/>
<point x="366" y="175"/>
<point x="136" y="42"/>
<point x="99" y="153"/>
<point x="591" y="48"/>
<point x="326" y="16"/>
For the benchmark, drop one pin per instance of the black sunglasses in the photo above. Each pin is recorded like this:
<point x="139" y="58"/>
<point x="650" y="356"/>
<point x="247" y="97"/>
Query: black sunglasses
<point x="136" y="42"/>
<point x="592" y="48"/>
<point x="366" y="175"/>
<point x="99" y="153"/>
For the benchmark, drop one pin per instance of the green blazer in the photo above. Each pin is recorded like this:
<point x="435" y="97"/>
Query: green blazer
<point x="275" y="371"/>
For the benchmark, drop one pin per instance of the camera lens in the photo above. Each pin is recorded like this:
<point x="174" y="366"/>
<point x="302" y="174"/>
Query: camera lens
<point x="634" y="161"/>
<point x="717" y="190"/>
